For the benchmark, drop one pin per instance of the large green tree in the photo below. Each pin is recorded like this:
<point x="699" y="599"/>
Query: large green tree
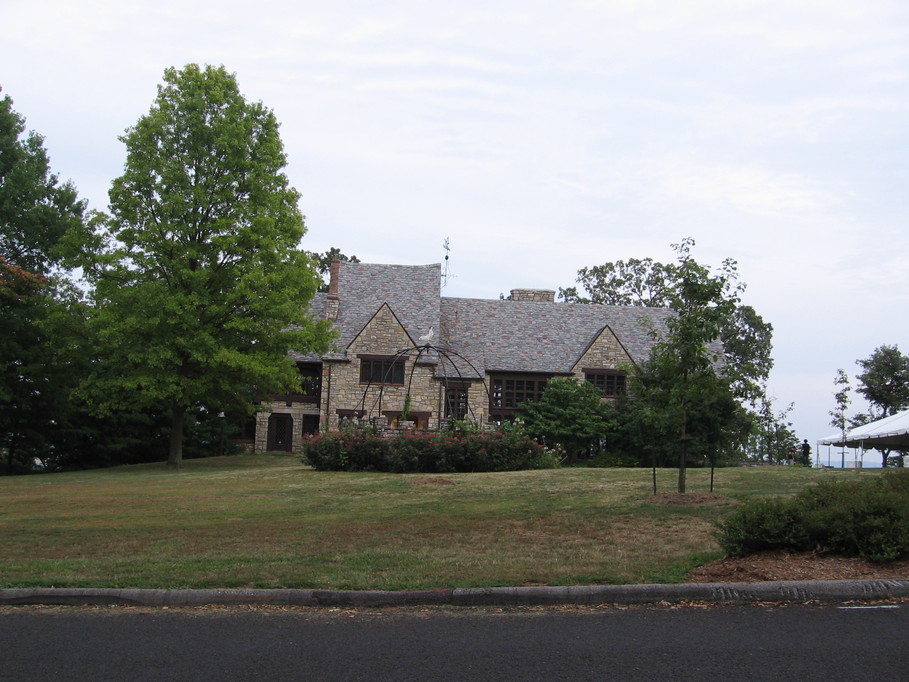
<point x="200" y="288"/>
<point x="37" y="213"/>
<point x="884" y="382"/>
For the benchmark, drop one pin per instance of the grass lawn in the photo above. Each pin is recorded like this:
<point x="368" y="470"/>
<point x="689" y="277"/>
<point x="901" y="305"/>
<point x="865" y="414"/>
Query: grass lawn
<point x="269" y="521"/>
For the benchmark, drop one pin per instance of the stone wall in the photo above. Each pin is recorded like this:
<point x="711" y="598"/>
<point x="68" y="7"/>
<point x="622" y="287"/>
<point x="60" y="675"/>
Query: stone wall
<point x="295" y="410"/>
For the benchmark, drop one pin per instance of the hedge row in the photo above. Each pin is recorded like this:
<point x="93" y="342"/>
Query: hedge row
<point x="425" y="452"/>
<point x="867" y="517"/>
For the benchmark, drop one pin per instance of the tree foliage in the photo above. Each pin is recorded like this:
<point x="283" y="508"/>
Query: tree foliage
<point x="746" y="337"/>
<point x="36" y="209"/>
<point x="570" y="415"/>
<point x="200" y="288"/>
<point x="635" y="282"/>
<point x="323" y="263"/>
<point x="774" y="439"/>
<point x="684" y="361"/>
<point x="37" y="213"/>
<point x="884" y="382"/>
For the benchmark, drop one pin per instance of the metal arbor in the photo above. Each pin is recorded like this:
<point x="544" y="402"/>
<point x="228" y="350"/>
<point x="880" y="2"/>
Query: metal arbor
<point x="445" y="355"/>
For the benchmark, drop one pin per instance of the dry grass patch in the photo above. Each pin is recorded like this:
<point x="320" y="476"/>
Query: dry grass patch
<point x="261" y="521"/>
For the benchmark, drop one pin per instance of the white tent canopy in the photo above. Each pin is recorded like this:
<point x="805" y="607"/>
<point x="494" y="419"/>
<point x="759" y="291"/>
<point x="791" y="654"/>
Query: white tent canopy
<point x="889" y="432"/>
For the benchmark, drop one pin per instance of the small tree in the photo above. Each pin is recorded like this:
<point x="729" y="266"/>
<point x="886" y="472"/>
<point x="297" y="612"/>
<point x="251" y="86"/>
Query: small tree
<point x="774" y="438"/>
<point x="570" y="415"/>
<point x="685" y="356"/>
<point x="838" y="414"/>
<point x="200" y="288"/>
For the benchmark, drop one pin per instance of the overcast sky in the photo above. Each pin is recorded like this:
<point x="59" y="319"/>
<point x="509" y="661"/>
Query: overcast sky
<point x="542" y="137"/>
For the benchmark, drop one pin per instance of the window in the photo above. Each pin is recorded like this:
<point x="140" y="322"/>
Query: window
<point x="310" y="379"/>
<point x="611" y="382"/>
<point x="456" y="401"/>
<point x="507" y="391"/>
<point x="381" y="370"/>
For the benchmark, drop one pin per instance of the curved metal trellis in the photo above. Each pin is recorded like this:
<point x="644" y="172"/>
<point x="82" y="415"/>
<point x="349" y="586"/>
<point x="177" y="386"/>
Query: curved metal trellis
<point x="427" y="348"/>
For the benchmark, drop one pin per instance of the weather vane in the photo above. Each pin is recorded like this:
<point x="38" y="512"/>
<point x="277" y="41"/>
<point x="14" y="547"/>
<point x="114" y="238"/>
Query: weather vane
<point x="445" y="272"/>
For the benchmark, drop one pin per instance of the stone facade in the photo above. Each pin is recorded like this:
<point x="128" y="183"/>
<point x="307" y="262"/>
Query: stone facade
<point x="385" y="337"/>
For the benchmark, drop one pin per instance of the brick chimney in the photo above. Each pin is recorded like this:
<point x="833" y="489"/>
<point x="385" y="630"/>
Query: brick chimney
<point x="536" y="295"/>
<point x="334" y="301"/>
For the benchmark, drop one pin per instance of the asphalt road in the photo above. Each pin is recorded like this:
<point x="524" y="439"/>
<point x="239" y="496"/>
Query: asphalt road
<point x="638" y="643"/>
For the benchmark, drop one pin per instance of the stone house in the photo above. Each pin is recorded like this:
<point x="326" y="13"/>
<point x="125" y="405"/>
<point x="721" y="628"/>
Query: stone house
<point x="402" y="344"/>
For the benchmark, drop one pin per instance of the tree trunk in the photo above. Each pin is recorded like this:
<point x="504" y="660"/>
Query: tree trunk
<point x="885" y="455"/>
<point x="683" y="455"/>
<point x="175" y="456"/>
<point x="9" y="456"/>
<point x="683" y="451"/>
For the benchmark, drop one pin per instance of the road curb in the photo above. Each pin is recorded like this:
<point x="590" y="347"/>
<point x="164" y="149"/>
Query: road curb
<point x="592" y="595"/>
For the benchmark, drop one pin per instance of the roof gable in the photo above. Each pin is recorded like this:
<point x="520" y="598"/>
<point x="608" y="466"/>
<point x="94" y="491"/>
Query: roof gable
<point x="413" y="291"/>
<point x="383" y="334"/>
<point x="605" y="350"/>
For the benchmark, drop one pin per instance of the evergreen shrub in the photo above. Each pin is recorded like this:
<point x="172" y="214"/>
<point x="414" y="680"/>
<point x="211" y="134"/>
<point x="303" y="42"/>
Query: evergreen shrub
<point x="867" y="517"/>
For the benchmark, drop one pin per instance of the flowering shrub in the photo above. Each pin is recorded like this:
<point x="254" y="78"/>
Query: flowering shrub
<point x="425" y="452"/>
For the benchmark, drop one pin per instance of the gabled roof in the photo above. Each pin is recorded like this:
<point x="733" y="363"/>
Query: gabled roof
<point x="411" y="291"/>
<point x="527" y="336"/>
<point x="492" y="335"/>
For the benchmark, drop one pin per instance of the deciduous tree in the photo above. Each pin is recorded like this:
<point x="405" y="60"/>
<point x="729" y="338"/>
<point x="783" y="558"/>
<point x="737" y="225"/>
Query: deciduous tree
<point x="885" y="384"/>
<point x="684" y="357"/>
<point x="323" y="263"/>
<point x="838" y="414"/>
<point x="37" y="212"/>
<point x="200" y="287"/>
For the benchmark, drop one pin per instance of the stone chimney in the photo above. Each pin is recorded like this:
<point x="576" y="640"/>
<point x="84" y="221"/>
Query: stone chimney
<point x="536" y="295"/>
<point x="334" y="301"/>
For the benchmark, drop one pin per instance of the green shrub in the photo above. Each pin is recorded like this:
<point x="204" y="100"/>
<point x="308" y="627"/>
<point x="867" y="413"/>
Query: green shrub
<point x="868" y="517"/>
<point x="425" y="452"/>
<point x="762" y="525"/>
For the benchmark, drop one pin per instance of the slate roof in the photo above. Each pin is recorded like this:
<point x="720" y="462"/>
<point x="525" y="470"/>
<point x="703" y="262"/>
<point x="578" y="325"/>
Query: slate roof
<point x="526" y="336"/>
<point x="493" y="335"/>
